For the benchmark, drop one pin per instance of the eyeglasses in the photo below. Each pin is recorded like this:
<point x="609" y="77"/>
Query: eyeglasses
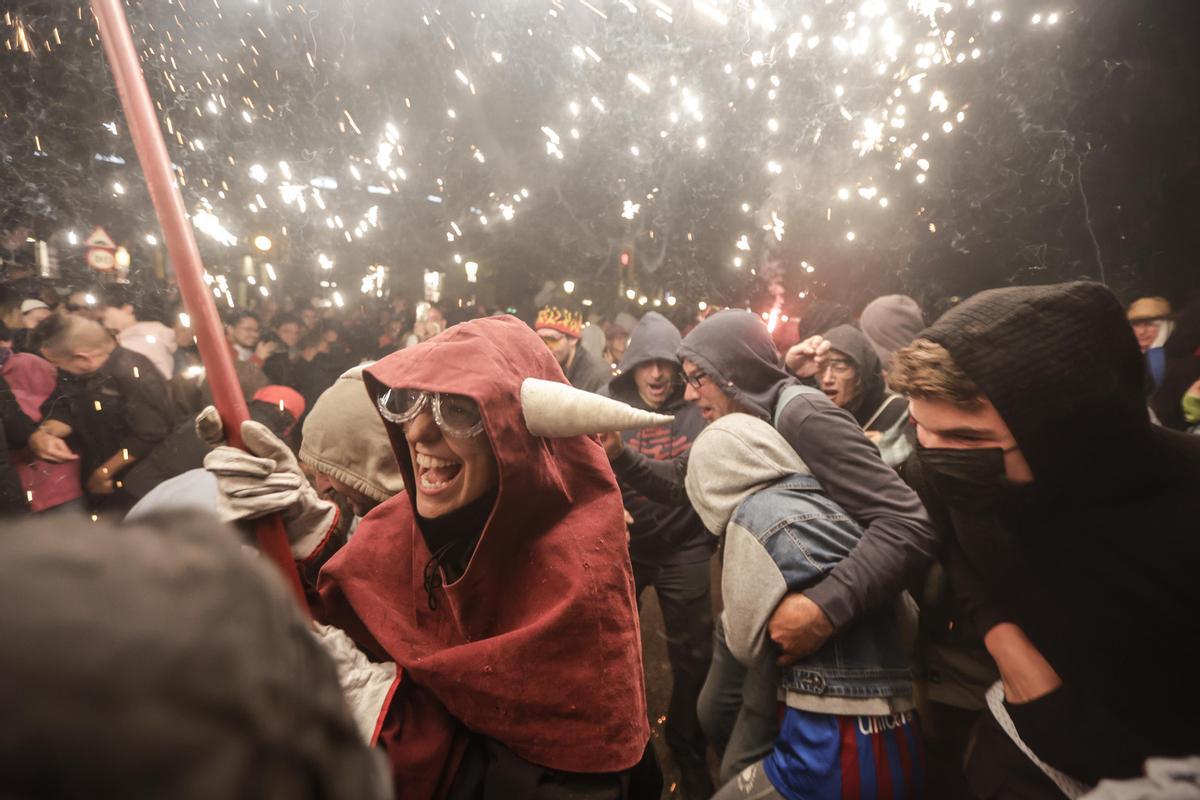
<point x="456" y="415"/>
<point x="694" y="379"/>
<point x="839" y="366"/>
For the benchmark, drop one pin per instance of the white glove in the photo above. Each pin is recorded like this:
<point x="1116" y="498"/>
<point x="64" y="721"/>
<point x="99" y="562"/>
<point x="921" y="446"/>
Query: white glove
<point x="267" y="480"/>
<point x="366" y="684"/>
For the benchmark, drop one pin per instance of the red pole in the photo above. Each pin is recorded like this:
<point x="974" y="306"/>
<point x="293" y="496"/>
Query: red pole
<point x="185" y="256"/>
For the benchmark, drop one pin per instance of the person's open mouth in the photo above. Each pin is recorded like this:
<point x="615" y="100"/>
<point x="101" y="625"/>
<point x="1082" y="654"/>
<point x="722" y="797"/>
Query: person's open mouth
<point x="434" y="475"/>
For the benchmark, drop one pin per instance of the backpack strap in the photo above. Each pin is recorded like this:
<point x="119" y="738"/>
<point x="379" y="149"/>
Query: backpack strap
<point x="887" y="421"/>
<point x="789" y="394"/>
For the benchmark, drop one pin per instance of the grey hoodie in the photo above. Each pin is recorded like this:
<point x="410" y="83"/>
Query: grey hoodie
<point x="736" y="458"/>
<point x="735" y="350"/>
<point x="345" y="438"/>
<point x="891" y="322"/>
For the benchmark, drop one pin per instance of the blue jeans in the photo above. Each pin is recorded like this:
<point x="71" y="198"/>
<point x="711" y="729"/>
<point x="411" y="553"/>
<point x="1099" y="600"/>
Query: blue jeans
<point x="737" y="708"/>
<point x="685" y="598"/>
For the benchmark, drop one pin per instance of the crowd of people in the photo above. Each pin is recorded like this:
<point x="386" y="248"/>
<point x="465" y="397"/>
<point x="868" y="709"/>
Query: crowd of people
<point x="894" y="557"/>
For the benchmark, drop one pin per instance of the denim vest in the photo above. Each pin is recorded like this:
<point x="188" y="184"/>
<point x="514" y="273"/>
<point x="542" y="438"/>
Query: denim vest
<point x="806" y="534"/>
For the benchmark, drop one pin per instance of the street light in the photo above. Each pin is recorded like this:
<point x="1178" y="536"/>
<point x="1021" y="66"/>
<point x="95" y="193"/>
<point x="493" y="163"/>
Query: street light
<point x="263" y="243"/>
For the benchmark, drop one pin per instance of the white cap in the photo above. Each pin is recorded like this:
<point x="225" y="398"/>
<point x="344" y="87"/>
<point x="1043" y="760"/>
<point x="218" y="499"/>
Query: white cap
<point x="32" y="305"/>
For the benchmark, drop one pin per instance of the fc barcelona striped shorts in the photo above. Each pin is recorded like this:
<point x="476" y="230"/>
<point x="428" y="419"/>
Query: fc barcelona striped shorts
<point x="846" y="758"/>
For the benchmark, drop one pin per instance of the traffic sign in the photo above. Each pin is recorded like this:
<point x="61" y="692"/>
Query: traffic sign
<point x="100" y="259"/>
<point x="99" y="238"/>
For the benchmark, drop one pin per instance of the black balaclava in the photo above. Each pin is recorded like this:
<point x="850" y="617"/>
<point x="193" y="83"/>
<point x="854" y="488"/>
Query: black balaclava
<point x="1062" y="367"/>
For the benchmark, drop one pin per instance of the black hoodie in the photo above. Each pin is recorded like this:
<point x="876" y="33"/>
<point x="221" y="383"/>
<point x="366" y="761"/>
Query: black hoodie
<point x="734" y="349"/>
<point x="849" y="341"/>
<point x="662" y="533"/>
<point x="1099" y="568"/>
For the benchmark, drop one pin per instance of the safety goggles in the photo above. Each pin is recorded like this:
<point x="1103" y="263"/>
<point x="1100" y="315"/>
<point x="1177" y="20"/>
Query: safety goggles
<point x="456" y="415"/>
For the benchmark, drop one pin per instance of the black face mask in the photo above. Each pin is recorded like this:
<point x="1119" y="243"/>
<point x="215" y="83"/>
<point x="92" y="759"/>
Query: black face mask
<point x="973" y="480"/>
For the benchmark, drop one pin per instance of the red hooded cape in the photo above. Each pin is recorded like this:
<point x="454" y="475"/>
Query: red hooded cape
<point x="536" y="645"/>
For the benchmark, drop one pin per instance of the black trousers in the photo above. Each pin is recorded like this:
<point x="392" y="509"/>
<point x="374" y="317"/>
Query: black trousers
<point x="684" y="595"/>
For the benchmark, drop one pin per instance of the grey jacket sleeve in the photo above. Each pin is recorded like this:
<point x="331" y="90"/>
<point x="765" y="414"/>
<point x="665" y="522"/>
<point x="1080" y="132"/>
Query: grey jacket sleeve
<point x="660" y="481"/>
<point x="898" y="538"/>
<point x="751" y="587"/>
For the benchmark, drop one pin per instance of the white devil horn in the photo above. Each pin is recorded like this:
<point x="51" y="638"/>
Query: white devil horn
<point x="558" y="410"/>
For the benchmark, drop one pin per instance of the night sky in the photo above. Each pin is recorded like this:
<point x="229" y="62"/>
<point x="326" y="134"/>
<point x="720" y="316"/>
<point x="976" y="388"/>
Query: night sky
<point x="741" y="152"/>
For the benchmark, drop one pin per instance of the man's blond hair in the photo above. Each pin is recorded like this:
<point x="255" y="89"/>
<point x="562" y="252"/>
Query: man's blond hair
<point x="926" y="370"/>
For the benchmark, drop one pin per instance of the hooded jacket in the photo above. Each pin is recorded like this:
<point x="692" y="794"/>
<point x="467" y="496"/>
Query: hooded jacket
<point x="536" y="644"/>
<point x="891" y="322"/>
<point x="734" y="349"/>
<point x="783" y="534"/>
<point x="876" y="409"/>
<point x="587" y="371"/>
<point x="1098" y="563"/>
<point x="849" y="340"/>
<point x="158" y="660"/>
<point x="1181" y="369"/>
<point x="345" y="439"/>
<point x="661" y="533"/>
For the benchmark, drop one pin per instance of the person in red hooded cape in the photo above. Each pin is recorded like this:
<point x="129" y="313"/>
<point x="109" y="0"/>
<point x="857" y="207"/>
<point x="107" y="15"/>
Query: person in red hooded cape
<point x="499" y="584"/>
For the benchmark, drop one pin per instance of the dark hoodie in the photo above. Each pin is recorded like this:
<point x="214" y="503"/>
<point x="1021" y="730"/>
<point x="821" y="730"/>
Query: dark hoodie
<point x="1180" y="370"/>
<point x="661" y="533"/>
<point x="849" y="341"/>
<point x="587" y="372"/>
<point x="1098" y="563"/>
<point x="734" y="349"/>
<point x="158" y="660"/>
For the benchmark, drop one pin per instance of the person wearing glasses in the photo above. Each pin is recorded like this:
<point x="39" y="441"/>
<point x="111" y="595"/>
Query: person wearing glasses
<point x="846" y="367"/>
<point x="731" y="365"/>
<point x="244" y="331"/>
<point x="1150" y="318"/>
<point x="484" y="618"/>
